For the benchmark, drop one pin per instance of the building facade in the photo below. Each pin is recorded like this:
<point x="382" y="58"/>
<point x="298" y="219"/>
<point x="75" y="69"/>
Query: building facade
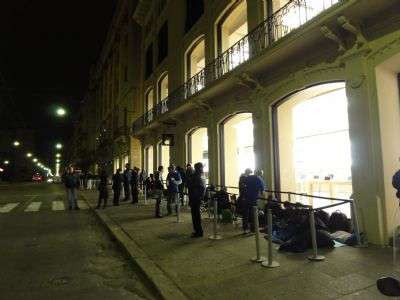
<point x="102" y="135"/>
<point x="306" y="90"/>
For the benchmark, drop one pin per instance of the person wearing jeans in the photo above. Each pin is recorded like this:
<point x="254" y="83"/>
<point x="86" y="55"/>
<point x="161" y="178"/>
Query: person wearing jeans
<point x="71" y="184"/>
<point x="173" y="182"/>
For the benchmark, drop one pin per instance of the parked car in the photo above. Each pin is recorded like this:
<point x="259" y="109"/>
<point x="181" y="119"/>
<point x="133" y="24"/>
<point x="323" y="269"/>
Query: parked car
<point x="37" y="178"/>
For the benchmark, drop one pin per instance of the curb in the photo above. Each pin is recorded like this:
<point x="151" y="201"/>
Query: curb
<point x="164" y="286"/>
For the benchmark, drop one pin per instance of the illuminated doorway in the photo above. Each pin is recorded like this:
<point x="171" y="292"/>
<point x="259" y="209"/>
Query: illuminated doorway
<point x="237" y="147"/>
<point x="148" y="159"/>
<point x="163" y="156"/>
<point x="197" y="146"/>
<point x="313" y="145"/>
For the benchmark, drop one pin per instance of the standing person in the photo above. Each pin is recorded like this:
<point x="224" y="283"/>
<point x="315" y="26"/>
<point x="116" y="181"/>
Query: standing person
<point x="127" y="179"/>
<point x="158" y="189"/>
<point x="254" y="188"/>
<point x="197" y="188"/>
<point x="135" y="185"/>
<point x="117" y="186"/>
<point x="173" y="182"/>
<point x="103" y="190"/>
<point x="71" y="183"/>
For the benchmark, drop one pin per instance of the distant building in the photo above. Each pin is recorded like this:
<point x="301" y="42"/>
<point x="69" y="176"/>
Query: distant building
<point x="306" y="90"/>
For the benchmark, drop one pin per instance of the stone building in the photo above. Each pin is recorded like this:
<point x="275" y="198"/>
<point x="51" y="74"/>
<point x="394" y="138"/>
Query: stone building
<point x="306" y="90"/>
<point x="102" y="133"/>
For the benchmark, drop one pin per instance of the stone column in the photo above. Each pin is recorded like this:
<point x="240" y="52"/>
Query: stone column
<point x="213" y="149"/>
<point x="367" y="174"/>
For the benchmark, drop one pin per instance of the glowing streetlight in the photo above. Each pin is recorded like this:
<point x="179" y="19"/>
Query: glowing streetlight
<point x="29" y="154"/>
<point x="58" y="155"/>
<point x="16" y="143"/>
<point x="58" y="160"/>
<point x="59" y="146"/>
<point x="38" y="164"/>
<point x="61" y="112"/>
<point x="35" y="160"/>
<point x="6" y="162"/>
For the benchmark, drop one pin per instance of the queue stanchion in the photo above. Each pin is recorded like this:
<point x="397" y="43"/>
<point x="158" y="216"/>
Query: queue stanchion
<point x="270" y="263"/>
<point x="178" y="209"/>
<point x="354" y="219"/>
<point x="215" y="235"/>
<point x="314" y="256"/>
<point x="258" y="257"/>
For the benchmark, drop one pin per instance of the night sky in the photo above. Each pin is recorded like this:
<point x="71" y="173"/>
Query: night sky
<point x="46" y="50"/>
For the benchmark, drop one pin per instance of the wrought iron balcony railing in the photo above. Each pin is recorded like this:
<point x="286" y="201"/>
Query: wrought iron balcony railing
<point x="291" y="16"/>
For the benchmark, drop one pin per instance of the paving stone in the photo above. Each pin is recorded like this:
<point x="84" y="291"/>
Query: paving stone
<point x="351" y="283"/>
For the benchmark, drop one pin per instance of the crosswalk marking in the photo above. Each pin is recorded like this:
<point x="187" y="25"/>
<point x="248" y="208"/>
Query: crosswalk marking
<point x="82" y="204"/>
<point x="8" y="207"/>
<point x="58" y="205"/>
<point x="34" y="206"/>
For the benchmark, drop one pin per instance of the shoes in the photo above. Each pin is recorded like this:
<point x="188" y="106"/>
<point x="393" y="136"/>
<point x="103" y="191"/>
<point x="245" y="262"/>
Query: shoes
<point x="196" y="235"/>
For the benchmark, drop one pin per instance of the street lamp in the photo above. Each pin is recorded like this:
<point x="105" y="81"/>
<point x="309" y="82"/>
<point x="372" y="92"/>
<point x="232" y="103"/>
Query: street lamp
<point x="16" y="143"/>
<point x="58" y="155"/>
<point x="58" y="160"/>
<point x="29" y="154"/>
<point x="61" y="112"/>
<point x="59" y="146"/>
<point x="35" y="160"/>
<point x="6" y="162"/>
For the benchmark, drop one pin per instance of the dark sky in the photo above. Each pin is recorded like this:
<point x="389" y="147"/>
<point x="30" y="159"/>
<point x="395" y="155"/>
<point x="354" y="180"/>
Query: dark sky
<point x="46" y="49"/>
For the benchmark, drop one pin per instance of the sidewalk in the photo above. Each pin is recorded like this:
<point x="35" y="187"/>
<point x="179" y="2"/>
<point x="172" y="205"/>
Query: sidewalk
<point x="181" y="267"/>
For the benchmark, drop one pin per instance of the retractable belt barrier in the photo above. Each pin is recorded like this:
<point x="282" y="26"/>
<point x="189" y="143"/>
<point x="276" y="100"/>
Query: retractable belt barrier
<point x="215" y="235"/>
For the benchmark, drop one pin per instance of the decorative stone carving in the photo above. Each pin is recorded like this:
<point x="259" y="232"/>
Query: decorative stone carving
<point x="357" y="81"/>
<point x="329" y="34"/>
<point x="360" y="39"/>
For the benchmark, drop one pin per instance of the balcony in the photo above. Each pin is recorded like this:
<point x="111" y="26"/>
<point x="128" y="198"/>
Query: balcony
<point x="290" y="17"/>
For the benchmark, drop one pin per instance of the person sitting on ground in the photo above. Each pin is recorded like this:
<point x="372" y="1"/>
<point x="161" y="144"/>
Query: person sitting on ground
<point x="158" y="189"/>
<point x="223" y="200"/>
<point x="254" y="188"/>
<point x="196" y="189"/>
<point x="117" y="186"/>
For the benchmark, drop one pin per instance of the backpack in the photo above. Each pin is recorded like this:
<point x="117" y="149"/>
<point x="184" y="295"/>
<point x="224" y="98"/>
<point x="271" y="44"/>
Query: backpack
<point x="339" y="221"/>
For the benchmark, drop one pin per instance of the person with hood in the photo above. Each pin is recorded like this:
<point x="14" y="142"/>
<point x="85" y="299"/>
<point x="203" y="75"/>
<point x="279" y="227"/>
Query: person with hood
<point x="197" y="189"/>
<point x="103" y="190"/>
<point x="117" y="186"/>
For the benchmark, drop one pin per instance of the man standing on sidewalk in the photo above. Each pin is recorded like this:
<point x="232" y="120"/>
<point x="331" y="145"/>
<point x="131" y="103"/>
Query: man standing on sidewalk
<point x="173" y="182"/>
<point x="135" y="185"/>
<point x="196" y="184"/>
<point x="127" y="180"/>
<point x="158" y="189"/>
<point x="117" y="186"/>
<point x="254" y="188"/>
<point x="71" y="184"/>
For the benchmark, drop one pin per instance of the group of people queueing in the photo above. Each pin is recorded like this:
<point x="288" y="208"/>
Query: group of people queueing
<point x="128" y="180"/>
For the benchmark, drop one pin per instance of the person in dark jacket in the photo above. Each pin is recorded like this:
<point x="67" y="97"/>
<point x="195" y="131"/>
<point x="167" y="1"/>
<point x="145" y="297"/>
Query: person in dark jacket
<point x="103" y="190"/>
<point x="71" y="183"/>
<point x="117" y="186"/>
<point x="127" y="180"/>
<point x="197" y="189"/>
<point x="135" y="185"/>
<point x="173" y="182"/>
<point x="181" y="187"/>
<point x="396" y="183"/>
<point x="158" y="189"/>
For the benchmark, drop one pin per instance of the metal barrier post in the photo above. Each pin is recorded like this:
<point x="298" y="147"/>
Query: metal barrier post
<point x="178" y="209"/>
<point x="145" y="194"/>
<point x="354" y="219"/>
<point x="315" y="256"/>
<point x="215" y="235"/>
<point x="209" y="203"/>
<point x="258" y="257"/>
<point x="270" y="263"/>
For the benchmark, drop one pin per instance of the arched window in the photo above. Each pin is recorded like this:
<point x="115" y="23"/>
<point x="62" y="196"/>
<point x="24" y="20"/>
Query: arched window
<point x="148" y="160"/>
<point x="163" y="93"/>
<point x="163" y="155"/>
<point x="237" y="147"/>
<point x="197" y="147"/>
<point x="195" y="58"/>
<point x="149" y="103"/>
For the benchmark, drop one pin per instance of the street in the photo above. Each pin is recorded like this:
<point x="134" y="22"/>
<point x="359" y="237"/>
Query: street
<point x="48" y="252"/>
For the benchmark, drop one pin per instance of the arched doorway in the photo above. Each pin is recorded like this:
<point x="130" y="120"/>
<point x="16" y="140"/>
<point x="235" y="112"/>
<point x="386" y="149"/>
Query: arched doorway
<point x="197" y="148"/>
<point x="237" y="147"/>
<point x="312" y="143"/>
<point x="163" y="155"/>
<point x="148" y="159"/>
